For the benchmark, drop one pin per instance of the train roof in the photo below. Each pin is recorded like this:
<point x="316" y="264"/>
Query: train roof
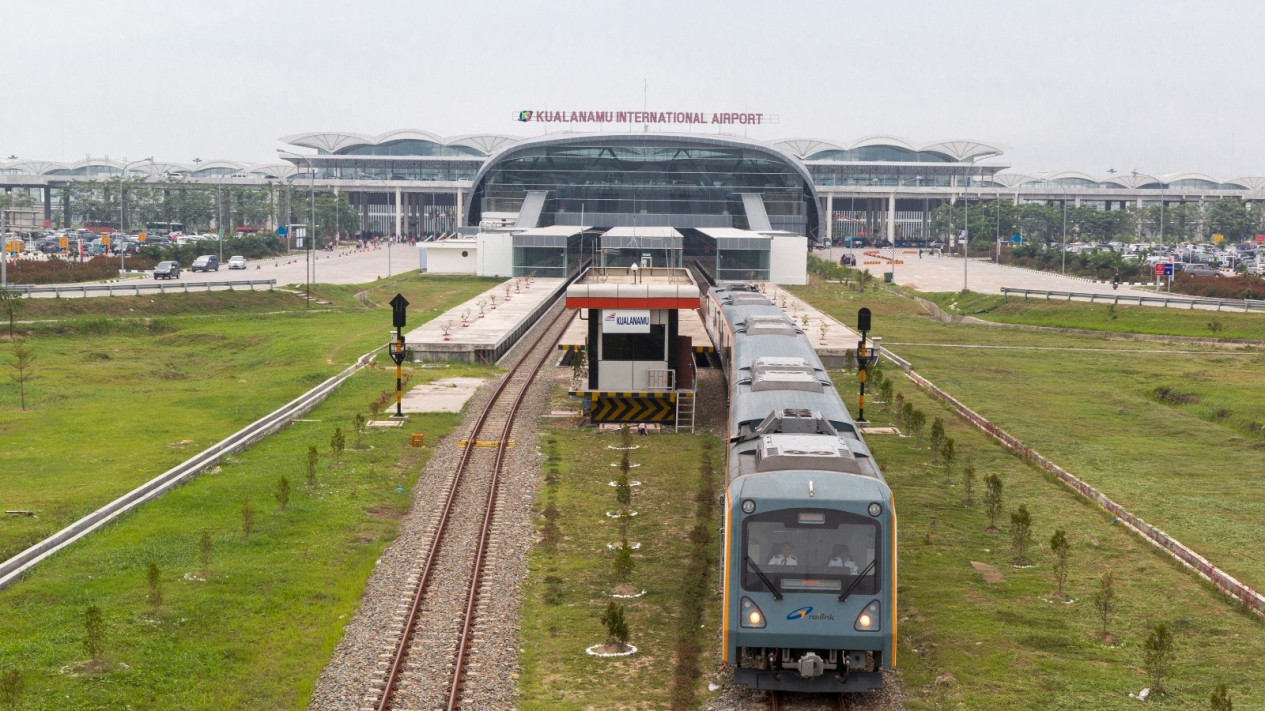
<point x="807" y="485"/>
<point x="790" y="439"/>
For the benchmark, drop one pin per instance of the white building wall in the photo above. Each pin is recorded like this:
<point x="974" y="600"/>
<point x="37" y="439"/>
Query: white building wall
<point x="496" y="254"/>
<point x="788" y="259"/>
<point x="451" y="257"/>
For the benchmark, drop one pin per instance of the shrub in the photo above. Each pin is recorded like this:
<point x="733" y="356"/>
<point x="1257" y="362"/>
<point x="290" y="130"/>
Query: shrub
<point x="623" y="491"/>
<point x="248" y="517"/>
<point x="94" y="632"/>
<point x="312" y="457"/>
<point x="1021" y="534"/>
<point x="616" y="626"/>
<point x="937" y="436"/>
<point x="358" y="424"/>
<point x="283" y="491"/>
<point x="898" y="410"/>
<point x="885" y="391"/>
<point x="947" y="453"/>
<point x="916" y="420"/>
<point x="993" y="499"/>
<point x="623" y="562"/>
<point x="152" y="576"/>
<point x="1157" y="655"/>
<point x="1061" y="548"/>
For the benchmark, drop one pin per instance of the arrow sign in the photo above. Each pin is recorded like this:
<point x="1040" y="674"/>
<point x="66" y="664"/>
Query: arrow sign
<point x="398" y="305"/>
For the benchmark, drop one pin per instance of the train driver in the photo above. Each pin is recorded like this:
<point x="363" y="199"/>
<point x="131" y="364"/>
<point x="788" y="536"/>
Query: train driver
<point x="785" y="556"/>
<point x="841" y="558"/>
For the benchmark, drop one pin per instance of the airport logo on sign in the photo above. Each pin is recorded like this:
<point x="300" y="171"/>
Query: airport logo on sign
<point x="525" y="116"/>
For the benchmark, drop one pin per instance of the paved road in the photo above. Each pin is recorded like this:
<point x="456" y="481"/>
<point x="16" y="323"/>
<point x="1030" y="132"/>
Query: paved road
<point x="946" y="274"/>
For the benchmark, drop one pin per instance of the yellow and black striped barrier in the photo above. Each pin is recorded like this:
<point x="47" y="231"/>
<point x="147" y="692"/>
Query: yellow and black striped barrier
<point x="630" y="406"/>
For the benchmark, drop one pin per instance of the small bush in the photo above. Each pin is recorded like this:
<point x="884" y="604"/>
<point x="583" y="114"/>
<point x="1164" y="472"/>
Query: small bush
<point x="947" y="453"/>
<point x="616" y="626"/>
<point x="248" y="517"/>
<point x="937" y="436"/>
<point x="968" y="481"/>
<point x="1220" y="700"/>
<point x="915" y="422"/>
<point x="623" y="562"/>
<point x="154" y="579"/>
<point x="94" y="632"/>
<point x="623" y="491"/>
<point x="885" y="391"/>
<point x="359" y="424"/>
<point x="282" y="493"/>
<point x="313" y="456"/>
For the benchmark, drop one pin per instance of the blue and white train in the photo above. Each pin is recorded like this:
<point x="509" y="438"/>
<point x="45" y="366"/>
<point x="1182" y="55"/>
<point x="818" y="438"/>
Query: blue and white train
<point x="810" y="532"/>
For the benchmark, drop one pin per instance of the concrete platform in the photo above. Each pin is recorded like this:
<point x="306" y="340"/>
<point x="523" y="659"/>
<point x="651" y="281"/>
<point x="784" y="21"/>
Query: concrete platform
<point x="486" y="338"/>
<point x="446" y="395"/>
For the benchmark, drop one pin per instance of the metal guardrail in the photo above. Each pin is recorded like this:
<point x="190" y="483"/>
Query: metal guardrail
<point x="13" y="568"/>
<point x="1116" y="298"/>
<point x="135" y="289"/>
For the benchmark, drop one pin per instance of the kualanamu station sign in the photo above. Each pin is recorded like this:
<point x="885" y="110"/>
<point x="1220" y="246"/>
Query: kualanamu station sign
<point x="665" y="117"/>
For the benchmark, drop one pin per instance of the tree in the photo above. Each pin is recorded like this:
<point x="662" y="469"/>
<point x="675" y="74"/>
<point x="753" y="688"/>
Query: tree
<point x="94" y="632"/>
<point x="968" y="481"/>
<point x="11" y="687"/>
<point x="1157" y="655"/>
<point x="1105" y="599"/>
<point x="616" y="626"/>
<point x="11" y="304"/>
<point x="1061" y="548"/>
<point x="623" y="561"/>
<point x="1021" y="534"/>
<point x="898" y="410"/>
<point x="915" y="422"/>
<point x="992" y="499"/>
<point x="23" y="366"/>
<point x="885" y="391"/>
<point x="312" y="457"/>
<point x="152" y="577"/>
<point x="937" y="436"/>
<point x="337" y="442"/>
<point x="359" y="423"/>
<point x="947" y="454"/>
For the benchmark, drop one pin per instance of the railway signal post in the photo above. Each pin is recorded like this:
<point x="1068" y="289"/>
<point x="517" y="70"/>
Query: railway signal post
<point x="863" y="325"/>
<point x="398" y="306"/>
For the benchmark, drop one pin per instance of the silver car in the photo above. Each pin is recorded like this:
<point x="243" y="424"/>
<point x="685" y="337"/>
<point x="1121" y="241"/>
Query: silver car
<point x="237" y="262"/>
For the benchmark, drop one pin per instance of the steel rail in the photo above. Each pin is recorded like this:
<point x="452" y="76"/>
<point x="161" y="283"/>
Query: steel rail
<point x="419" y="593"/>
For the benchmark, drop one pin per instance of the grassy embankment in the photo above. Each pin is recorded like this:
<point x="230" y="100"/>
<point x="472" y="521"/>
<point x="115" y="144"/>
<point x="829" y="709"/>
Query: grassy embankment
<point x="1097" y="414"/>
<point x="571" y="580"/>
<point x="120" y="399"/>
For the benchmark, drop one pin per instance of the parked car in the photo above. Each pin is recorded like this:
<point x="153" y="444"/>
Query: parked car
<point x="1199" y="270"/>
<point x="206" y="263"/>
<point x="237" y="262"/>
<point x="167" y="270"/>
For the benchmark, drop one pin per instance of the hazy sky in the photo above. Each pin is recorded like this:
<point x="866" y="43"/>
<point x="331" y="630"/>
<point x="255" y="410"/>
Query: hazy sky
<point x="1157" y="86"/>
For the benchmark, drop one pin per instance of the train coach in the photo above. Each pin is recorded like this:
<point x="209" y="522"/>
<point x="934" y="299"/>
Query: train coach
<point x="809" y="554"/>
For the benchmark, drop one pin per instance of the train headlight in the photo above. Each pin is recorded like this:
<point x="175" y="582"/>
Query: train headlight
<point x="748" y="506"/>
<point x="868" y="620"/>
<point x="750" y="615"/>
<point x="875" y="509"/>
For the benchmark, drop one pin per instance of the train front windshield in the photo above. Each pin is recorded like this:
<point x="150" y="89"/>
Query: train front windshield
<point x="811" y="550"/>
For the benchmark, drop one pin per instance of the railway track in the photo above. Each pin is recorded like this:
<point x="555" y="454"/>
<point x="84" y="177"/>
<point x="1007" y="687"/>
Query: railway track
<point x="433" y="655"/>
<point x="818" y="702"/>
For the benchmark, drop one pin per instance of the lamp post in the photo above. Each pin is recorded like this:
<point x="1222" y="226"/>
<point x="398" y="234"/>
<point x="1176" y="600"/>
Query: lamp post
<point x="122" y="177"/>
<point x="311" y="267"/>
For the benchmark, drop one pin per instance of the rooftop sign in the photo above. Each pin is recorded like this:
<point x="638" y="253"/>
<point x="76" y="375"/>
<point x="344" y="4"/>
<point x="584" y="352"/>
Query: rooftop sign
<point x="664" y="117"/>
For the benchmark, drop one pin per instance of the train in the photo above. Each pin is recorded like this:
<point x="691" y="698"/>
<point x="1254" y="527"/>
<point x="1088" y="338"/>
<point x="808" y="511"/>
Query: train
<point x="809" y="547"/>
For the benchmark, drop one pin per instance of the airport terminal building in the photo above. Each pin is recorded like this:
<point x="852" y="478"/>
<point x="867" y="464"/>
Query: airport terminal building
<point x="694" y="189"/>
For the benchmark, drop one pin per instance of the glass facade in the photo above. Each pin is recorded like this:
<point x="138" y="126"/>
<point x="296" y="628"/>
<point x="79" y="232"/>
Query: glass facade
<point x="410" y="147"/>
<point x="610" y="181"/>
<point x="874" y="154"/>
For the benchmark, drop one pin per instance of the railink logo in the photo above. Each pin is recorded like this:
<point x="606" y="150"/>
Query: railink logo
<point x="806" y="613"/>
<point x="524" y="116"/>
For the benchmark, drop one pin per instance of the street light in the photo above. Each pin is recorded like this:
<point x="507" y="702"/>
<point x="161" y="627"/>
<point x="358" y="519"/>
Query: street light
<point x="122" y="176"/>
<point x="311" y="267"/>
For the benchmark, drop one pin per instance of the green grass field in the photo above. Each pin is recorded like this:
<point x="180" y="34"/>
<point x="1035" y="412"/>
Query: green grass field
<point x="118" y="400"/>
<point x="126" y="398"/>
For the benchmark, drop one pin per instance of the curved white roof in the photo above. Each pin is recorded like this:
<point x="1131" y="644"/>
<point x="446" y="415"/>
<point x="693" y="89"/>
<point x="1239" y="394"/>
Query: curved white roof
<point x="333" y="142"/>
<point x="959" y="149"/>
